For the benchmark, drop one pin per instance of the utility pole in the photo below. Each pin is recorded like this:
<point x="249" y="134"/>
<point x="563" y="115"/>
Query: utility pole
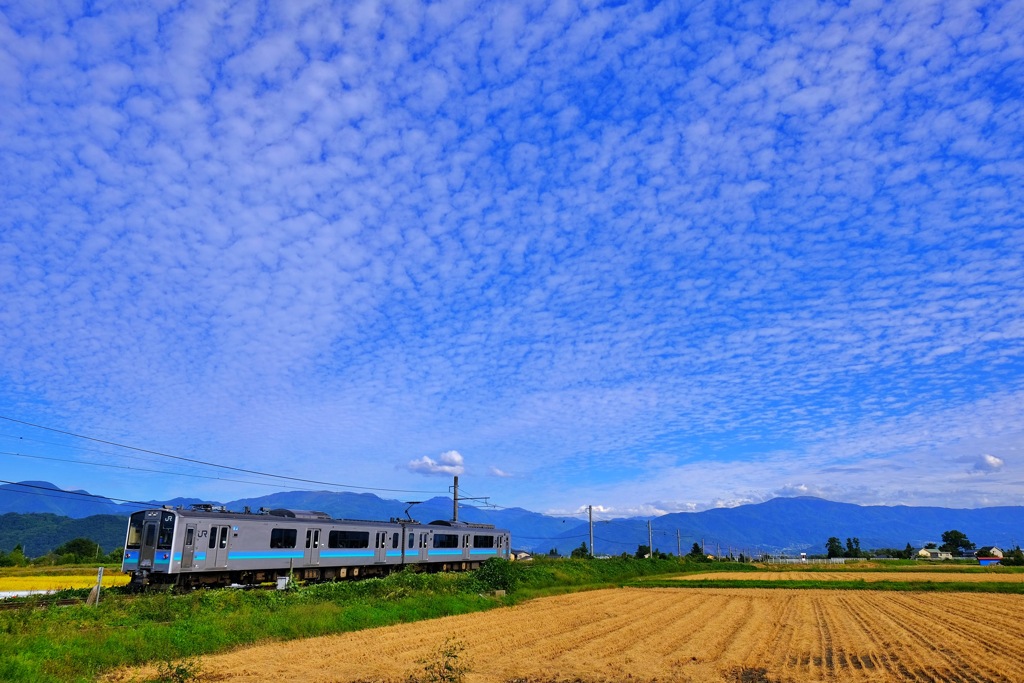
<point x="455" y="501"/>
<point x="679" y="547"/>
<point x="650" y="539"/>
<point x="590" y="515"/>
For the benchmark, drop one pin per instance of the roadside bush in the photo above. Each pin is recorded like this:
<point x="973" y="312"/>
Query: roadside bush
<point x="499" y="574"/>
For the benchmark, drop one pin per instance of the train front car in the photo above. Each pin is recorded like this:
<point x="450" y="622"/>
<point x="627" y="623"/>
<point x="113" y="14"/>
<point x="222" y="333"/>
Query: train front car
<point x="148" y="547"/>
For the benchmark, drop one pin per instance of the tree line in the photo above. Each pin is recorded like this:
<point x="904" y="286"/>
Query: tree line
<point x="954" y="542"/>
<point x="75" y="551"/>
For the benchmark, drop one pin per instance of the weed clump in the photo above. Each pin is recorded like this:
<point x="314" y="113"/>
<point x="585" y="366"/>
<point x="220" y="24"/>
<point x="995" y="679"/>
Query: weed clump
<point x="447" y="665"/>
<point x="181" y="671"/>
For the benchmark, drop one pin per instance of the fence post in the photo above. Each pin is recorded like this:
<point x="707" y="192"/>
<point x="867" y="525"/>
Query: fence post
<point x="94" y="594"/>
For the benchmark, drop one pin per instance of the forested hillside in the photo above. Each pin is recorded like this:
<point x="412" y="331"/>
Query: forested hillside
<point x="39" y="533"/>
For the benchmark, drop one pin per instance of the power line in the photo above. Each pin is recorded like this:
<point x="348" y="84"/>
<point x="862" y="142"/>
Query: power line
<point x="212" y="464"/>
<point x="81" y="494"/>
<point x="144" y="469"/>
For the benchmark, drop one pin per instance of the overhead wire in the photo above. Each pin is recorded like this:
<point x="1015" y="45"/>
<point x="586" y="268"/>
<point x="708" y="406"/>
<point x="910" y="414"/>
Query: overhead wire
<point x="212" y="464"/>
<point x="81" y="494"/>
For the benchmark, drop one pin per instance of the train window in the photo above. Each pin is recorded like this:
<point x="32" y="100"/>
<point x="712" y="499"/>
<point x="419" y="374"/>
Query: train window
<point x="224" y="537"/>
<point x="166" y="532"/>
<point x="446" y="540"/>
<point x="150" y="535"/>
<point x="283" y="538"/>
<point x="412" y="539"/>
<point x="316" y="538"/>
<point x="309" y="537"/>
<point x="213" y="537"/>
<point x="190" y="536"/>
<point x="483" y="541"/>
<point x="394" y="540"/>
<point x="135" y="530"/>
<point x="348" y="539"/>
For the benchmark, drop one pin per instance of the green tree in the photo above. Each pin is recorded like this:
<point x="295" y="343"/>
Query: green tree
<point x="80" y="549"/>
<point x="908" y="552"/>
<point x="834" y="547"/>
<point x="696" y="551"/>
<point x="642" y="551"/>
<point x="956" y="542"/>
<point x="1013" y="558"/>
<point x="580" y="553"/>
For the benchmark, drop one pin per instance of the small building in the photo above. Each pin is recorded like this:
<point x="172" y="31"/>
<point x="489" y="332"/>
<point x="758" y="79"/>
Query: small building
<point x="989" y="551"/>
<point x="934" y="554"/>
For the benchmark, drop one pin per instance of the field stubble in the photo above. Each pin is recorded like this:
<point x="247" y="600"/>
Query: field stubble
<point x="873" y="576"/>
<point x="668" y="635"/>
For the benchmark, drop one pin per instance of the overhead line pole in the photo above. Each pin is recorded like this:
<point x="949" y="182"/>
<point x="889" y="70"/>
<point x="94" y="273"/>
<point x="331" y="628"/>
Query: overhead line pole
<point x="590" y="515"/>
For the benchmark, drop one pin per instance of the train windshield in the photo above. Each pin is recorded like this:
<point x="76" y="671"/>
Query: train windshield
<point x="167" y="531"/>
<point x="135" y="531"/>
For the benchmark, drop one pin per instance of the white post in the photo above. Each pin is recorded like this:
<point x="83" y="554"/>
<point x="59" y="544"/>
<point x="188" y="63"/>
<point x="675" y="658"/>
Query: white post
<point x="94" y="594"/>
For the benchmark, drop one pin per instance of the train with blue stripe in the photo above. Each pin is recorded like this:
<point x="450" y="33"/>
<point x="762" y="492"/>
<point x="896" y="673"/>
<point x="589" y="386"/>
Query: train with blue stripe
<point x="204" y="546"/>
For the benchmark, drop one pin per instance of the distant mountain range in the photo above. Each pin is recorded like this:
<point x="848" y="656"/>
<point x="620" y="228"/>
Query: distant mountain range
<point x="780" y="525"/>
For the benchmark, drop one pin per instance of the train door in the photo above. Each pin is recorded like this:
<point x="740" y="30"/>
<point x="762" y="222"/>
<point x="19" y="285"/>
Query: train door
<point x="313" y="546"/>
<point x="425" y="540"/>
<point x="217" y="550"/>
<point x="189" y="548"/>
<point x="147" y="551"/>
<point x="466" y="540"/>
<point x="380" y="547"/>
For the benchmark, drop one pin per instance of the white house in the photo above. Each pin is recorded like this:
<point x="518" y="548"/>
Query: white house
<point x="934" y="554"/>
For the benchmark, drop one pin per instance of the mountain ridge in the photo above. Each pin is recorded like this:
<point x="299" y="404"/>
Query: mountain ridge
<point x="779" y="525"/>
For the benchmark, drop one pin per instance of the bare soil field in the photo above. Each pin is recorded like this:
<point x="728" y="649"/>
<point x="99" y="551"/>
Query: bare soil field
<point x="855" y="576"/>
<point x="670" y="635"/>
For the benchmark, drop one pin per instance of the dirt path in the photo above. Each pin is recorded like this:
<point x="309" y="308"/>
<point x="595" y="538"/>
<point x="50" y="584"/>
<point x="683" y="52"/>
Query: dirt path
<point x="668" y="635"/>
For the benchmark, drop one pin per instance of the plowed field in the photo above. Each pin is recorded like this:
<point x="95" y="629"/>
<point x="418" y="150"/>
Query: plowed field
<point x="744" y="635"/>
<point x="855" y="576"/>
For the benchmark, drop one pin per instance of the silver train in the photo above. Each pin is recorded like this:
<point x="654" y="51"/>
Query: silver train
<point x="208" y="547"/>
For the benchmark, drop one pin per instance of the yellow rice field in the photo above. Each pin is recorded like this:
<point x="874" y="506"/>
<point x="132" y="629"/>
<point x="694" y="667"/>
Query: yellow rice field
<point x="29" y="582"/>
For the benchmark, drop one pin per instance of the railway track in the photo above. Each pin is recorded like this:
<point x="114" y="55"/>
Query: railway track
<point x="38" y="604"/>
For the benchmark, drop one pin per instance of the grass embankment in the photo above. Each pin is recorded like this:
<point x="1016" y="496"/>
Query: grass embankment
<point x="77" y="643"/>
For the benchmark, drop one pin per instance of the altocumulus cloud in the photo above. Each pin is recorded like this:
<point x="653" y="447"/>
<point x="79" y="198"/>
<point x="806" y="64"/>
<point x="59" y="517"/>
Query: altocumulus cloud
<point x="630" y="251"/>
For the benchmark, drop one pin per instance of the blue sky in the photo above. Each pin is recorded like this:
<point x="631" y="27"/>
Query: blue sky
<point x="646" y="256"/>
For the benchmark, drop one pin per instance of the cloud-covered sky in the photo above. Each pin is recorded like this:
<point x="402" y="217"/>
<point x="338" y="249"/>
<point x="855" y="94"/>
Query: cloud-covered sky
<point x="644" y="256"/>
